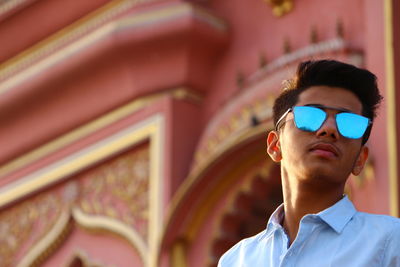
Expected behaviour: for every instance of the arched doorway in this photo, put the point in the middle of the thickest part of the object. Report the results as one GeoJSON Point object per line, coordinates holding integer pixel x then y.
{"type": "Point", "coordinates": [230, 200]}
{"type": "Point", "coordinates": [250, 213]}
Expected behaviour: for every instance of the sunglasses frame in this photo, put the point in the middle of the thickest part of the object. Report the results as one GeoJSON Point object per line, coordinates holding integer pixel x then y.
{"type": "Point", "coordinates": [322, 107]}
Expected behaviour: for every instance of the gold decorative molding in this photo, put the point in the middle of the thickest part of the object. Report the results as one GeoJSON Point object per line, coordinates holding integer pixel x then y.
{"type": "Point", "coordinates": [79, 28]}
{"type": "Point", "coordinates": [150, 130]}
{"type": "Point", "coordinates": [41, 250]}
{"type": "Point", "coordinates": [93, 222]}
{"type": "Point", "coordinates": [6, 6]}
{"type": "Point", "coordinates": [222, 131]}
{"type": "Point", "coordinates": [9, 5]}
{"type": "Point", "coordinates": [122, 182]}
{"type": "Point", "coordinates": [280, 7]}
{"type": "Point", "coordinates": [21, 228]}
{"type": "Point", "coordinates": [50, 242]}
{"type": "Point", "coordinates": [68, 42]}
{"type": "Point", "coordinates": [391, 123]}
{"type": "Point", "coordinates": [178, 254]}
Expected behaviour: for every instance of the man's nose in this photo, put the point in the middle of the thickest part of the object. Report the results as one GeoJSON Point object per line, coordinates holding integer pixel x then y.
{"type": "Point", "coordinates": [328, 129]}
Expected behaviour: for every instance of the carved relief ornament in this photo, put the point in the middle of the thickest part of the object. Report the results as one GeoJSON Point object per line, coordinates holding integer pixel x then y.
{"type": "Point", "coordinates": [280, 7]}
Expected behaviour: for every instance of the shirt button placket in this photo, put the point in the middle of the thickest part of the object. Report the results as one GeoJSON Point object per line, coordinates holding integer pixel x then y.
{"type": "Point", "coordinates": [287, 259]}
{"type": "Point", "coordinates": [286, 262]}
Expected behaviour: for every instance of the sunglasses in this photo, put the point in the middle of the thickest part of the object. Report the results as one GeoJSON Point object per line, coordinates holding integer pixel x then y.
{"type": "Point", "coordinates": [311, 118]}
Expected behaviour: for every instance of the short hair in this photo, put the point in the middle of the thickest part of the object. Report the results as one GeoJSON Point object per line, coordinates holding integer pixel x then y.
{"type": "Point", "coordinates": [332, 73]}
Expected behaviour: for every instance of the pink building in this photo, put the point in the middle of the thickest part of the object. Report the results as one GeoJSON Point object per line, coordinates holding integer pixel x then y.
{"type": "Point", "coordinates": [132, 133]}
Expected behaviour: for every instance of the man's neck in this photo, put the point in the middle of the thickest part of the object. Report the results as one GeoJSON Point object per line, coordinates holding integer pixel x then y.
{"type": "Point", "coordinates": [301, 199]}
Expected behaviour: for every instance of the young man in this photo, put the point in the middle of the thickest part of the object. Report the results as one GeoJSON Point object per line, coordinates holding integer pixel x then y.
{"type": "Point", "coordinates": [322, 121]}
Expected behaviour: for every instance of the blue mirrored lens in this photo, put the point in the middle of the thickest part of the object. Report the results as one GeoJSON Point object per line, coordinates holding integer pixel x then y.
{"type": "Point", "coordinates": [308, 119]}
{"type": "Point", "coordinates": [351, 125]}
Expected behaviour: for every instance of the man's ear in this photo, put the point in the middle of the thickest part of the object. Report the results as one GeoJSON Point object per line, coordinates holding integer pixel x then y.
{"type": "Point", "coordinates": [360, 162]}
{"type": "Point", "coordinates": [273, 146]}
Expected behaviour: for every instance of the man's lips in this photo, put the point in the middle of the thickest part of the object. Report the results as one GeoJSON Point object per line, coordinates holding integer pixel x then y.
{"type": "Point", "coordinates": [325, 150]}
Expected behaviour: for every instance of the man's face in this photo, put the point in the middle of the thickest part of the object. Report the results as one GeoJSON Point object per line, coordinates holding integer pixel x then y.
{"type": "Point", "coordinates": [322, 156]}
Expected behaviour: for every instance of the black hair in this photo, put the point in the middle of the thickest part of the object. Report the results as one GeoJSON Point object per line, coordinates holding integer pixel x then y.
{"type": "Point", "coordinates": [331, 73]}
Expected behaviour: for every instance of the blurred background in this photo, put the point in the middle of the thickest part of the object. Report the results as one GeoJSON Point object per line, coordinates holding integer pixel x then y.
{"type": "Point", "coordinates": [133, 132]}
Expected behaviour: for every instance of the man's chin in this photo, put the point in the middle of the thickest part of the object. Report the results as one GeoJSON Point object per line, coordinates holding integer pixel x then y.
{"type": "Point", "coordinates": [322, 173]}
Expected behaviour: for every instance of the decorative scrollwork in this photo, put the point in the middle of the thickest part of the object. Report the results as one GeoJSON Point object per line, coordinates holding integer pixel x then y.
{"type": "Point", "coordinates": [280, 7]}
{"type": "Point", "coordinates": [21, 226]}
{"type": "Point", "coordinates": [119, 189]}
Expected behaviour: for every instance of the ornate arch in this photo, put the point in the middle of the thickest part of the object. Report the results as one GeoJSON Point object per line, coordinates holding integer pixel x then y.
{"type": "Point", "coordinates": [242, 120]}
{"type": "Point", "coordinates": [74, 216]}
{"type": "Point", "coordinates": [247, 212]}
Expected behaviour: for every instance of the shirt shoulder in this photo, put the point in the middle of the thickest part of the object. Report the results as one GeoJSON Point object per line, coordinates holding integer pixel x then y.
{"type": "Point", "coordinates": [378, 227]}
{"type": "Point", "coordinates": [386, 228]}
{"type": "Point", "coordinates": [235, 254]}
{"type": "Point", "coordinates": [389, 223]}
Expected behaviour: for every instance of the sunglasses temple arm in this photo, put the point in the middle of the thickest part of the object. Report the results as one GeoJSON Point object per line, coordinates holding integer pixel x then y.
{"type": "Point", "coordinates": [281, 118]}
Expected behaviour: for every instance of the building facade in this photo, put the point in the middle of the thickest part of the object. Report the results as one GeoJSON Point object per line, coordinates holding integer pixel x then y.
{"type": "Point", "coordinates": [133, 132]}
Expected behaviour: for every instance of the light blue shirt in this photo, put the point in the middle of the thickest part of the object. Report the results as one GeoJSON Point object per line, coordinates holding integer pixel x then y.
{"type": "Point", "coordinates": [338, 236]}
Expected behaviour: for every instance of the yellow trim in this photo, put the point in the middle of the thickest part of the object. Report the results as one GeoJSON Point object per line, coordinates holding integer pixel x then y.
{"type": "Point", "coordinates": [10, 5]}
{"type": "Point", "coordinates": [114, 226]}
{"type": "Point", "coordinates": [153, 129]}
{"type": "Point", "coordinates": [91, 127]}
{"type": "Point", "coordinates": [11, 80]}
{"type": "Point", "coordinates": [78, 161]}
{"type": "Point", "coordinates": [93, 19]}
{"type": "Point", "coordinates": [156, 196]}
{"type": "Point", "coordinates": [54, 43]}
{"type": "Point", "coordinates": [391, 109]}
{"type": "Point", "coordinates": [34, 256]}
{"type": "Point", "coordinates": [178, 254]}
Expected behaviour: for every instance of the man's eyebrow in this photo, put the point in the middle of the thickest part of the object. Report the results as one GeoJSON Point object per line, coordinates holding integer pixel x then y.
{"type": "Point", "coordinates": [335, 108]}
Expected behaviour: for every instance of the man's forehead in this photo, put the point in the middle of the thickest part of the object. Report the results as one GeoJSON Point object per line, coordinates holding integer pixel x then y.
{"type": "Point", "coordinates": [330, 96]}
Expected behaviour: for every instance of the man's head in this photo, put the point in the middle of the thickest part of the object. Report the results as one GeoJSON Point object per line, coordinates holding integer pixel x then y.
{"type": "Point", "coordinates": [334, 74]}
{"type": "Point", "coordinates": [340, 92]}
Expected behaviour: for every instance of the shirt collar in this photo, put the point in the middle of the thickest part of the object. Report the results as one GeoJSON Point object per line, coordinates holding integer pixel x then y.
{"type": "Point", "coordinates": [338, 215]}
{"type": "Point", "coordinates": [275, 220]}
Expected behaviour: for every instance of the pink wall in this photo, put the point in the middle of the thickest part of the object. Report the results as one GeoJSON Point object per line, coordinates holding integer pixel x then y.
{"type": "Point", "coordinates": [201, 50]}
